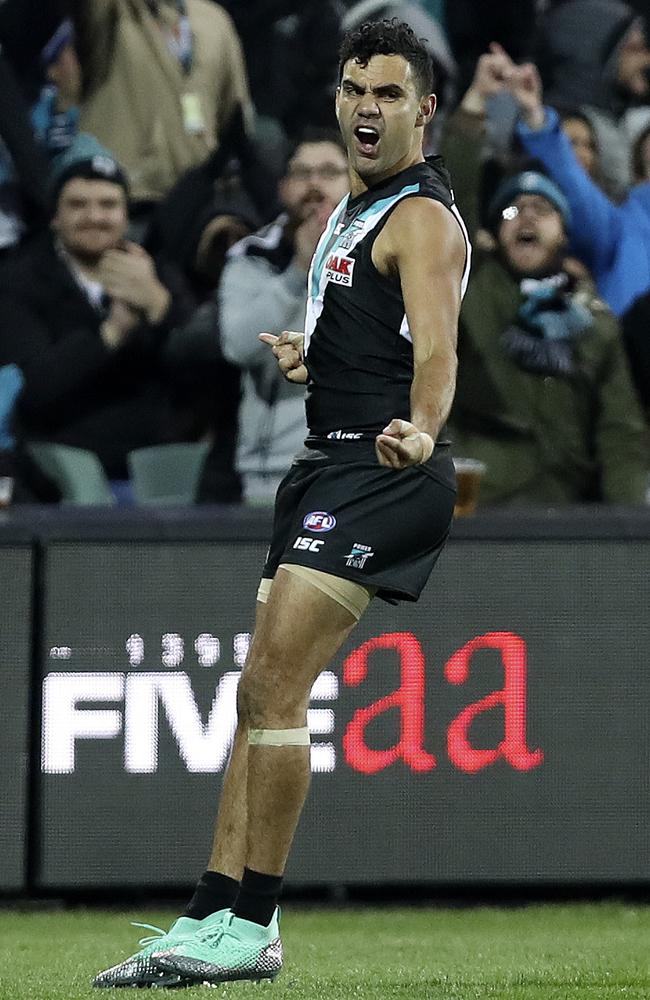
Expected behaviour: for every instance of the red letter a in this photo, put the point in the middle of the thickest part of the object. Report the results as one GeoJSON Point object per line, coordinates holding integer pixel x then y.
{"type": "Point", "coordinates": [513, 698]}
{"type": "Point", "coordinates": [409, 699]}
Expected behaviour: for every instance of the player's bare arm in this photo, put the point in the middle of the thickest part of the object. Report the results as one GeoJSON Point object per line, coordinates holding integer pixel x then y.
{"type": "Point", "coordinates": [288, 348]}
{"type": "Point", "coordinates": [423, 247]}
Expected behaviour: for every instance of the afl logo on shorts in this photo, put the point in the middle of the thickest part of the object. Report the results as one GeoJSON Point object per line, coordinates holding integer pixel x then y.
{"type": "Point", "coordinates": [339, 270]}
{"type": "Point", "coordinates": [319, 520]}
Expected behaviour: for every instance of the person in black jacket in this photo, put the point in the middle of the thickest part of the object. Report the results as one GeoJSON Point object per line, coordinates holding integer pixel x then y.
{"type": "Point", "coordinates": [85, 315]}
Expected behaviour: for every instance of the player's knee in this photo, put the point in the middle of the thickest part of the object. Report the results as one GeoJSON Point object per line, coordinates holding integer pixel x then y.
{"type": "Point", "coordinates": [252, 695]}
{"type": "Point", "coordinates": [262, 703]}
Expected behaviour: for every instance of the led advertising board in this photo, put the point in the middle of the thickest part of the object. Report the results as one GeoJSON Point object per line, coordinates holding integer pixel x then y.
{"type": "Point", "coordinates": [498, 730]}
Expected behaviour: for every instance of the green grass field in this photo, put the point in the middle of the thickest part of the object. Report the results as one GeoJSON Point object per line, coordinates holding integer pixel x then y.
{"type": "Point", "coordinates": [551, 952]}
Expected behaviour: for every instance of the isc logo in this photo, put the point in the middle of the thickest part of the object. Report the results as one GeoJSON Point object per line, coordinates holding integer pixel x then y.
{"type": "Point", "coordinates": [339, 270]}
{"type": "Point", "coordinates": [308, 544]}
{"type": "Point", "coordinates": [319, 520]}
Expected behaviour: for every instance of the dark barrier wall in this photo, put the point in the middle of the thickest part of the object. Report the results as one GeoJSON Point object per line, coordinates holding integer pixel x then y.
{"type": "Point", "coordinates": [497, 730]}
{"type": "Point", "coordinates": [15, 651]}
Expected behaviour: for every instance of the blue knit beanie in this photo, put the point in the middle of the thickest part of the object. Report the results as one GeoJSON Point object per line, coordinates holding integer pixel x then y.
{"type": "Point", "coordinates": [87, 158]}
{"type": "Point", "coordinates": [529, 182]}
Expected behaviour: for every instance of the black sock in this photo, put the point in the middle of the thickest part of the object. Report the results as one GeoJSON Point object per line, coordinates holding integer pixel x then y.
{"type": "Point", "coordinates": [213, 892]}
{"type": "Point", "coordinates": [258, 897]}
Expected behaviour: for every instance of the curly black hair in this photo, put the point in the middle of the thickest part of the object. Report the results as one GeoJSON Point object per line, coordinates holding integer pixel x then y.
{"type": "Point", "coordinates": [389, 38]}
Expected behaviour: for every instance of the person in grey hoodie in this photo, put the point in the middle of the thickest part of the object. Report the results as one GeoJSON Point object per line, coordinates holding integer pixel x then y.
{"type": "Point", "coordinates": [264, 289]}
{"type": "Point", "coordinates": [595, 57]}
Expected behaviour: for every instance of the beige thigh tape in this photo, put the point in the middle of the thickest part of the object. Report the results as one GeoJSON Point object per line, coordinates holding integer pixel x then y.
{"type": "Point", "coordinates": [279, 737]}
{"type": "Point", "coordinates": [354, 597]}
{"type": "Point", "coordinates": [264, 590]}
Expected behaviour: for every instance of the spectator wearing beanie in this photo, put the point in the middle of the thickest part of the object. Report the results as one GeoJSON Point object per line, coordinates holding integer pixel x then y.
{"type": "Point", "coordinates": [55, 115]}
{"type": "Point", "coordinates": [85, 315]}
{"type": "Point", "coordinates": [544, 395]}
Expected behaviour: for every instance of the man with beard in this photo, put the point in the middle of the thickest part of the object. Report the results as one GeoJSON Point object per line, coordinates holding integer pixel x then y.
{"type": "Point", "coordinates": [85, 315]}
{"type": "Point", "coordinates": [544, 396]}
{"type": "Point", "coordinates": [264, 287]}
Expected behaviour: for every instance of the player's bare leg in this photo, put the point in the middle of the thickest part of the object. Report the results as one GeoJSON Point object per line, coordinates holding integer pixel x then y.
{"type": "Point", "coordinates": [229, 845]}
{"type": "Point", "coordinates": [291, 649]}
{"type": "Point", "coordinates": [216, 890]}
{"type": "Point", "coordinates": [302, 630]}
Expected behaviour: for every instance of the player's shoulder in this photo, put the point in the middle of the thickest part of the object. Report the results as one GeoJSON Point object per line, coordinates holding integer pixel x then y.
{"type": "Point", "coordinates": [419, 221]}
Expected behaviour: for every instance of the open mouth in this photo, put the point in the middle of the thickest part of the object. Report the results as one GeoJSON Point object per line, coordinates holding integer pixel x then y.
{"type": "Point", "coordinates": [367, 136]}
{"type": "Point", "coordinates": [527, 238]}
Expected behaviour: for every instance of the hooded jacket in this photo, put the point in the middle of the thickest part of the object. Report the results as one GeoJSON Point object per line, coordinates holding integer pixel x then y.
{"type": "Point", "coordinates": [581, 40]}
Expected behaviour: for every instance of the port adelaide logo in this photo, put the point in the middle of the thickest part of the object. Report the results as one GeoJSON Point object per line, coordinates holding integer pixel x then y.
{"type": "Point", "coordinates": [359, 556]}
{"type": "Point", "coordinates": [339, 270]}
{"type": "Point", "coordinates": [319, 520]}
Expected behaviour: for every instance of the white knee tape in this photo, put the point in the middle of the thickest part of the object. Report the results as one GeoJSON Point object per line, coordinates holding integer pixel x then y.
{"type": "Point", "coordinates": [279, 737]}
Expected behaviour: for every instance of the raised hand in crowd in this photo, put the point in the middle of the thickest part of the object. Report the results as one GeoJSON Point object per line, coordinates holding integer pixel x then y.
{"type": "Point", "coordinates": [525, 85]}
{"type": "Point", "coordinates": [493, 72]}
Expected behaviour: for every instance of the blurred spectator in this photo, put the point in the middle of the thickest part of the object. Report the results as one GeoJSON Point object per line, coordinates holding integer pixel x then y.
{"type": "Point", "coordinates": [641, 157]}
{"type": "Point", "coordinates": [544, 394]}
{"type": "Point", "coordinates": [30, 484]}
{"type": "Point", "coordinates": [636, 336]}
{"type": "Point", "coordinates": [612, 240]}
{"type": "Point", "coordinates": [84, 315]}
{"type": "Point", "coordinates": [23, 166]}
{"type": "Point", "coordinates": [291, 49]}
{"type": "Point", "coordinates": [595, 56]}
{"type": "Point", "coordinates": [55, 115]}
{"type": "Point", "coordinates": [264, 289]}
{"type": "Point", "coordinates": [582, 136]}
{"type": "Point", "coordinates": [161, 80]}
{"type": "Point", "coordinates": [26, 26]}
{"type": "Point", "coordinates": [213, 206]}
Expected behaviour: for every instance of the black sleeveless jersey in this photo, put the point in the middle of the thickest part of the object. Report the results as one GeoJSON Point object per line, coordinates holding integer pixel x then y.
{"type": "Point", "coordinates": [358, 347]}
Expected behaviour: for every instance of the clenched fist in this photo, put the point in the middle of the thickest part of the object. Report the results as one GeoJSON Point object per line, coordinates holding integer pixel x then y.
{"type": "Point", "coordinates": [401, 444]}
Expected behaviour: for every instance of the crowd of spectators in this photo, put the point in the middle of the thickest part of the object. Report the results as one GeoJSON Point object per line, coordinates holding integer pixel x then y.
{"type": "Point", "coordinates": [167, 168]}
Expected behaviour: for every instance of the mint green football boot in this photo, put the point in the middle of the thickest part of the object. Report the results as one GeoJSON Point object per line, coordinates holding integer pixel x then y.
{"type": "Point", "coordinates": [238, 949]}
{"type": "Point", "coordinates": [138, 970]}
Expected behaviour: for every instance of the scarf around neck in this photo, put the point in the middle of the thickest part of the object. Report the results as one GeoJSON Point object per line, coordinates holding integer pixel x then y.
{"type": "Point", "coordinates": [549, 321]}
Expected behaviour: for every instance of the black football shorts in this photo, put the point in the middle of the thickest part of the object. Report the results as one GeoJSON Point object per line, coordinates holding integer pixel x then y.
{"type": "Point", "coordinates": [337, 510]}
